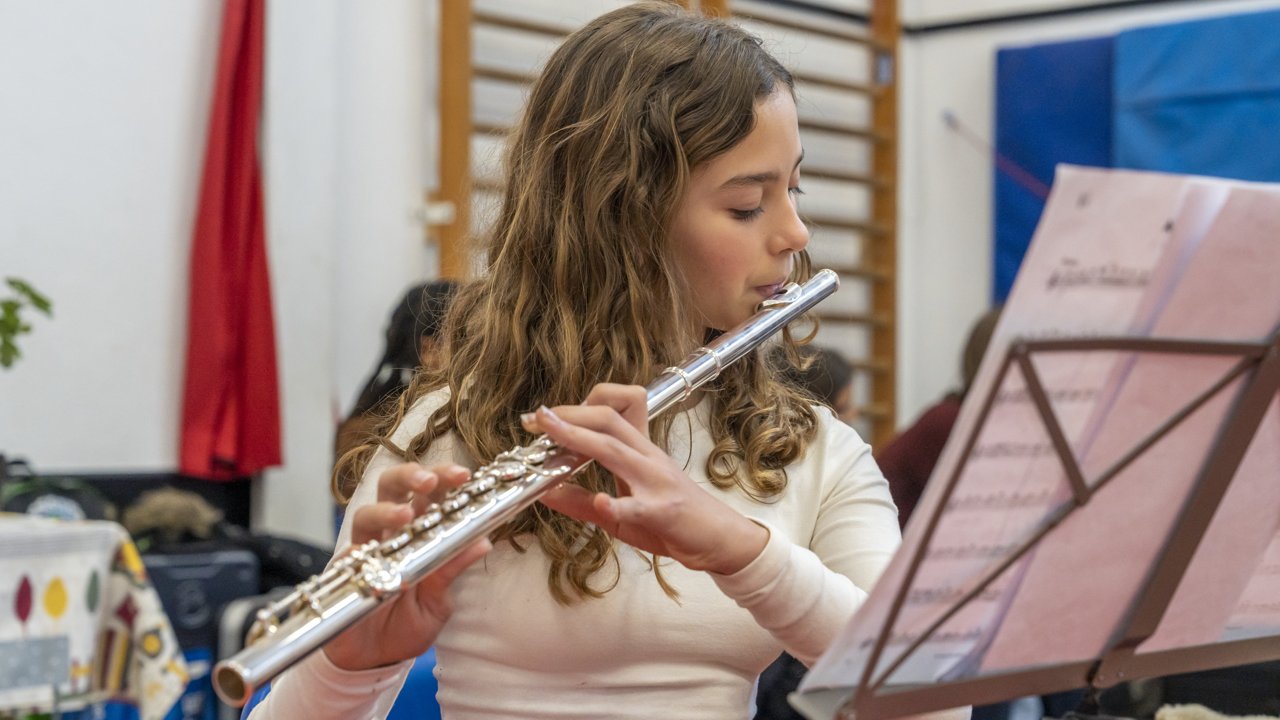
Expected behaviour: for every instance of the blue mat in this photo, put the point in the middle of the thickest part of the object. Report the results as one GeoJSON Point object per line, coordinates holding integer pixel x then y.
{"type": "Point", "coordinates": [1053, 105]}
{"type": "Point", "coordinates": [1200, 97]}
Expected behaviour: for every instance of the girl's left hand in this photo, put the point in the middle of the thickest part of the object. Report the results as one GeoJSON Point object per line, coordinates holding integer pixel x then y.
{"type": "Point", "coordinates": [659, 508]}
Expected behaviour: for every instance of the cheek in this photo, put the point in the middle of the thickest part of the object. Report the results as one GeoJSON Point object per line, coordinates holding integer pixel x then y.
{"type": "Point", "coordinates": [709, 246]}
{"type": "Point", "coordinates": [711, 260]}
{"type": "Point", "coordinates": [714, 250]}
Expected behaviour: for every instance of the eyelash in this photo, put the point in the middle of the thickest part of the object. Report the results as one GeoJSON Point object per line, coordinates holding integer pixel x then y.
{"type": "Point", "coordinates": [753, 213]}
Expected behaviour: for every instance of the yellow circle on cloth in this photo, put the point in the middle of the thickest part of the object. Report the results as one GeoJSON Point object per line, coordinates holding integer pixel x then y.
{"type": "Point", "coordinates": [152, 644]}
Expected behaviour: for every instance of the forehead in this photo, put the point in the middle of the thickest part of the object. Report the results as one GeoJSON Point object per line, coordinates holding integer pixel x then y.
{"type": "Point", "coordinates": [772, 147]}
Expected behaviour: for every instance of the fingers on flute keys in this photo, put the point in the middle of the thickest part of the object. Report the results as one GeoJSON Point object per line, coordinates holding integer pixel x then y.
{"type": "Point", "coordinates": [404, 492]}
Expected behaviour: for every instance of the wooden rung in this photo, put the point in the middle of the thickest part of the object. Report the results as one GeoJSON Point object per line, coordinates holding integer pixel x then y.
{"type": "Point", "coordinates": [838, 129]}
{"type": "Point", "coordinates": [766, 14]}
{"type": "Point", "coordinates": [876, 367]}
{"type": "Point", "coordinates": [860, 271]}
{"type": "Point", "coordinates": [864, 88]}
{"type": "Point", "coordinates": [486, 185]}
{"type": "Point", "coordinates": [875, 411]}
{"type": "Point", "coordinates": [845, 176]}
{"type": "Point", "coordinates": [484, 128]}
{"type": "Point", "coordinates": [517, 23]}
{"type": "Point", "coordinates": [495, 73]}
{"type": "Point", "coordinates": [867, 228]}
{"type": "Point", "coordinates": [877, 320]}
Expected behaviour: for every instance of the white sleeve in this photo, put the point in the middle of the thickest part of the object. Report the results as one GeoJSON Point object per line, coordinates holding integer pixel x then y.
{"type": "Point", "coordinates": [316, 689]}
{"type": "Point", "coordinates": [805, 595]}
{"type": "Point", "coordinates": [793, 595]}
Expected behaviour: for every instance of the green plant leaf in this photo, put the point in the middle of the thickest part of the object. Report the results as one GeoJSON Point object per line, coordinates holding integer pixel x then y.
{"type": "Point", "coordinates": [8, 351]}
{"type": "Point", "coordinates": [33, 296]}
{"type": "Point", "coordinates": [11, 321]}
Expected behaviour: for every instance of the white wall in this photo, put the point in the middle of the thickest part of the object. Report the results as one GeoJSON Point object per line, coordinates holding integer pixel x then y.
{"type": "Point", "coordinates": [348, 92]}
{"type": "Point", "coordinates": [103, 108]}
{"type": "Point", "coordinates": [945, 225]}
{"type": "Point", "coordinates": [933, 12]}
{"type": "Point", "coordinates": [301, 135]}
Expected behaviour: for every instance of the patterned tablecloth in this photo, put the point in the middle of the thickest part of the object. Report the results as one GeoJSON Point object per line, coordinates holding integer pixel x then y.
{"type": "Point", "coordinates": [79, 622]}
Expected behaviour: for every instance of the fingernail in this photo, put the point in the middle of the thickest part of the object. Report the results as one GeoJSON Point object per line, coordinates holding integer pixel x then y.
{"type": "Point", "coordinates": [550, 415]}
{"type": "Point", "coordinates": [420, 477]}
{"type": "Point", "coordinates": [527, 418]}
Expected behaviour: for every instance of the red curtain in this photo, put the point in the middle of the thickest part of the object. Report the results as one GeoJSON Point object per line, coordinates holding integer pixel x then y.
{"type": "Point", "coordinates": [230, 404]}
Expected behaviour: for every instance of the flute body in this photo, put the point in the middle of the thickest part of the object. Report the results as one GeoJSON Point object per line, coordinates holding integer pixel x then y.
{"type": "Point", "coordinates": [355, 584]}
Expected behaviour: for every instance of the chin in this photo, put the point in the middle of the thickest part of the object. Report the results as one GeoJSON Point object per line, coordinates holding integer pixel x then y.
{"type": "Point", "coordinates": [732, 323]}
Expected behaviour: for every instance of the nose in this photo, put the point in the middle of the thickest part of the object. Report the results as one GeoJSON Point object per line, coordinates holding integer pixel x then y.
{"type": "Point", "coordinates": [790, 234]}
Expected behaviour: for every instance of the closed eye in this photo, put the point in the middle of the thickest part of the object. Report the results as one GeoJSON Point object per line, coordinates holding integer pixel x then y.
{"type": "Point", "coordinates": [747, 215]}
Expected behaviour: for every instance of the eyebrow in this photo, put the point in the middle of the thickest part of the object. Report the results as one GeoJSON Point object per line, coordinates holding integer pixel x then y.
{"type": "Point", "coordinates": [739, 181]}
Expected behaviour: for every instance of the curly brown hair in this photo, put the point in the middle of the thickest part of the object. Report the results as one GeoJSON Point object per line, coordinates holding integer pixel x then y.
{"type": "Point", "coordinates": [580, 285]}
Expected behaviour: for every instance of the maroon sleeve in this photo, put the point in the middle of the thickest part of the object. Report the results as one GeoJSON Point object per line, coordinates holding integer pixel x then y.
{"type": "Point", "coordinates": [908, 459]}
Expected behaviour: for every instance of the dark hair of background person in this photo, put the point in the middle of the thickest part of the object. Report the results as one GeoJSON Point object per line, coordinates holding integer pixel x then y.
{"type": "Point", "coordinates": [823, 373]}
{"type": "Point", "coordinates": [417, 317]}
{"type": "Point", "coordinates": [976, 346]}
{"type": "Point", "coordinates": [826, 374]}
{"type": "Point", "coordinates": [409, 340]}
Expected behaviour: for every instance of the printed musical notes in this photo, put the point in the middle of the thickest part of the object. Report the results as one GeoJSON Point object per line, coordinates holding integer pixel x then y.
{"type": "Point", "coordinates": [1000, 500]}
{"type": "Point", "coordinates": [1071, 273]}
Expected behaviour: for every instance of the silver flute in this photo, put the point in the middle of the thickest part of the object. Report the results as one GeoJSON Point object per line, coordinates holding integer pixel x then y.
{"type": "Point", "coordinates": [357, 583]}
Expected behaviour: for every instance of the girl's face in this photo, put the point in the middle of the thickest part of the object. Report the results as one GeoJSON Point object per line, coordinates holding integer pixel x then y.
{"type": "Point", "coordinates": [737, 231]}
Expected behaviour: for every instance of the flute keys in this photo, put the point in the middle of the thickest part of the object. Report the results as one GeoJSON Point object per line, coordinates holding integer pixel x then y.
{"type": "Point", "coordinates": [397, 542]}
{"type": "Point", "coordinates": [537, 452]}
{"type": "Point", "coordinates": [454, 503]}
{"type": "Point", "coordinates": [508, 471]}
{"type": "Point", "coordinates": [427, 521]}
{"type": "Point", "coordinates": [381, 577]}
{"type": "Point", "coordinates": [481, 485]}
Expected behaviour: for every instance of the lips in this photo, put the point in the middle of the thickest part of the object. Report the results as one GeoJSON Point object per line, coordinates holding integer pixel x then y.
{"type": "Point", "coordinates": [772, 288]}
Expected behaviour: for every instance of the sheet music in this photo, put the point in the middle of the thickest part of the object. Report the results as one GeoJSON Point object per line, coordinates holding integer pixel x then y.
{"type": "Point", "coordinates": [1116, 253]}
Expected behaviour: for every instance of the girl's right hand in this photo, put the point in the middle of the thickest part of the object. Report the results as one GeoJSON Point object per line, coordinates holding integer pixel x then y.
{"type": "Point", "coordinates": [405, 627]}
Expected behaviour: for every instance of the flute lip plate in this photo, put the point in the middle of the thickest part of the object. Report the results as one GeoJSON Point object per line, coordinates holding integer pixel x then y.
{"type": "Point", "coordinates": [784, 297]}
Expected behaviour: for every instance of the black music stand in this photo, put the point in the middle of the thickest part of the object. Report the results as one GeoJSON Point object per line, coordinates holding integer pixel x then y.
{"type": "Point", "coordinates": [868, 695]}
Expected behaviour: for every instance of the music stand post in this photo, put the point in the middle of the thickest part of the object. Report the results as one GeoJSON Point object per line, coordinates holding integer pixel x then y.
{"type": "Point", "coordinates": [1260, 366]}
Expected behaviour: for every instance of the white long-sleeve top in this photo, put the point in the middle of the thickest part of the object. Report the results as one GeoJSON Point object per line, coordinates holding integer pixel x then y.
{"type": "Point", "coordinates": [511, 651]}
